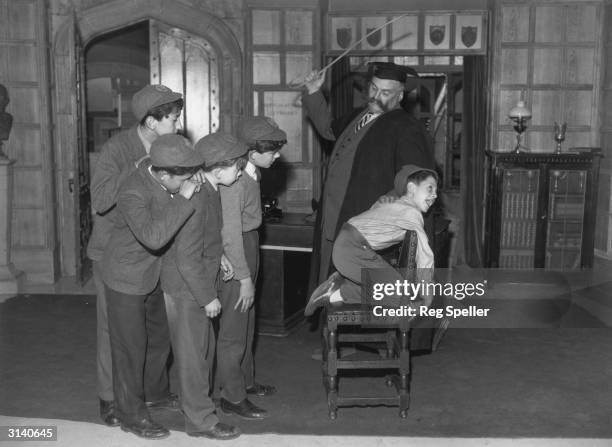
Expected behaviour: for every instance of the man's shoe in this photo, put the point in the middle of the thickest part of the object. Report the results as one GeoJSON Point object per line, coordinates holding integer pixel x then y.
{"type": "Point", "coordinates": [107, 413]}
{"type": "Point", "coordinates": [146, 428]}
{"type": "Point", "coordinates": [245, 409]}
{"type": "Point", "coordinates": [258, 389]}
{"type": "Point", "coordinates": [220, 432]}
{"type": "Point", "coordinates": [320, 296]}
{"type": "Point", "coordinates": [170, 402]}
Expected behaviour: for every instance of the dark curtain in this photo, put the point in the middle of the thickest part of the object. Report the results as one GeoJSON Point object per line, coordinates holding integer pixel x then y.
{"type": "Point", "coordinates": [341, 88]}
{"type": "Point", "coordinates": [473, 145]}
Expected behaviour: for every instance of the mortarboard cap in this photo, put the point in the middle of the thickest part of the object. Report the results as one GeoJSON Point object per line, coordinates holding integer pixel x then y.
{"type": "Point", "coordinates": [389, 70]}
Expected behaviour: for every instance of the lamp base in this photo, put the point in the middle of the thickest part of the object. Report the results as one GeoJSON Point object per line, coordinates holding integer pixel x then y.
{"type": "Point", "coordinates": [520, 148]}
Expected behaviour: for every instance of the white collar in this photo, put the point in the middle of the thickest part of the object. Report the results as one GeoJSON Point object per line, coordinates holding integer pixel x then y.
{"type": "Point", "coordinates": [251, 170]}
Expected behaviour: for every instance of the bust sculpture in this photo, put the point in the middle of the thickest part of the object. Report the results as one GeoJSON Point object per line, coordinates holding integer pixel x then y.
{"type": "Point", "coordinates": [6, 119]}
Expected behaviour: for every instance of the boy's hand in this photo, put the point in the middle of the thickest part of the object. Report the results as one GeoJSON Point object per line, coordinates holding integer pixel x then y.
{"type": "Point", "coordinates": [227, 268]}
{"type": "Point", "coordinates": [313, 81]}
{"type": "Point", "coordinates": [199, 179]}
{"type": "Point", "coordinates": [247, 294]}
{"type": "Point", "coordinates": [188, 189]}
{"type": "Point", "coordinates": [213, 308]}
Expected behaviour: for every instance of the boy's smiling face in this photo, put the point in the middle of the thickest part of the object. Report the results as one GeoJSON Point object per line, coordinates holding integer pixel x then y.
{"type": "Point", "coordinates": [265, 159]}
{"type": "Point", "coordinates": [423, 195]}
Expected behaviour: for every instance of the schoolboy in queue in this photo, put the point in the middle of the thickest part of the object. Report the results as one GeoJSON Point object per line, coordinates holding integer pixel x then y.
{"type": "Point", "coordinates": [157, 110]}
{"type": "Point", "coordinates": [152, 205]}
{"type": "Point", "coordinates": [242, 216]}
{"type": "Point", "coordinates": [190, 273]}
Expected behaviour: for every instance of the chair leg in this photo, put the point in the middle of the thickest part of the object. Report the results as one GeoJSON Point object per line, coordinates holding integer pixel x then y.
{"type": "Point", "coordinates": [404, 374]}
{"type": "Point", "coordinates": [332, 373]}
{"type": "Point", "coordinates": [324, 350]}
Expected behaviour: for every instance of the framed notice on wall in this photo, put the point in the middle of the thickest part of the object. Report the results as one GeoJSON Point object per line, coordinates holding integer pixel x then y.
{"type": "Point", "coordinates": [284, 48]}
{"type": "Point", "coordinates": [285, 109]}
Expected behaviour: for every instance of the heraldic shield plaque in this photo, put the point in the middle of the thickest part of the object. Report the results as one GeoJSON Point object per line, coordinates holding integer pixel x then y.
{"type": "Point", "coordinates": [436, 32]}
{"type": "Point", "coordinates": [468, 32]}
{"type": "Point", "coordinates": [343, 32]}
{"type": "Point", "coordinates": [344, 36]}
{"type": "Point", "coordinates": [469, 35]}
{"type": "Point", "coordinates": [374, 31]}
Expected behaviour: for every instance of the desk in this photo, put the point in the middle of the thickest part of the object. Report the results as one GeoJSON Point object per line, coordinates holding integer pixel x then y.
{"type": "Point", "coordinates": [282, 284]}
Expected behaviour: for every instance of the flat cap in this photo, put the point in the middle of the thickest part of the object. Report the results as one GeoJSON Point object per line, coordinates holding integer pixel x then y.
{"type": "Point", "coordinates": [173, 150]}
{"type": "Point", "coordinates": [401, 178]}
{"type": "Point", "coordinates": [260, 128]}
{"type": "Point", "coordinates": [219, 146]}
{"type": "Point", "coordinates": [151, 96]}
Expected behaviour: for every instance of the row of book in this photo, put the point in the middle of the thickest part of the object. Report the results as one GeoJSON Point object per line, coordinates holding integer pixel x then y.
{"type": "Point", "coordinates": [562, 209]}
{"type": "Point", "coordinates": [519, 205]}
{"type": "Point", "coordinates": [516, 261]}
{"type": "Point", "coordinates": [518, 233]}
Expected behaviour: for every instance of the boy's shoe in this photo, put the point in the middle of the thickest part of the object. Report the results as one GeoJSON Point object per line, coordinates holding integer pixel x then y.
{"type": "Point", "coordinates": [320, 296]}
{"type": "Point", "coordinates": [245, 409]}
{"type": "Point", "coordinates": [258, 389]}
{"type": "Point", "coordinates": [107, 413]}
{"type": "Point", "coordinates": [219, 431]}
{"type": "Point", "coordinates": [146, 428]}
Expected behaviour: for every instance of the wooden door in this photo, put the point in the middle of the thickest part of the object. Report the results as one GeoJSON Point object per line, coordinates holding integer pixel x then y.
{"type": "Point", "coordinates": [187, 64]}
{"type": "Point", "coordinates": [79, 186]}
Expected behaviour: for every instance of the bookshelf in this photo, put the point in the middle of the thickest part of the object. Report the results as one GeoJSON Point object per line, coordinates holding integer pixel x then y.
{"type": "Point", "coordinates": [540, 209]}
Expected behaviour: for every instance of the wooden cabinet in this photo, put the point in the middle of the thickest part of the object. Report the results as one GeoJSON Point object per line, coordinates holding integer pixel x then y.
{"type": "Point", "coordinates": [282, 285]}
{"type": "Point", "coordinates": [541, 210]}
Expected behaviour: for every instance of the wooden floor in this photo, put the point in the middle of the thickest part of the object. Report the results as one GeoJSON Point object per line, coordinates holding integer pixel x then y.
{"type": "Point", "coordinates": [482, 382]}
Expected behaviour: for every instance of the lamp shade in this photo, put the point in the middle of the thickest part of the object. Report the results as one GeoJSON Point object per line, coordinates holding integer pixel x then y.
{"type": "Point", "coordinates": [519, 111]}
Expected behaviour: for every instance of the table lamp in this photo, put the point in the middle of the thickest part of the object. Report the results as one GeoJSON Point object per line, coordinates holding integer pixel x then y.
{"type": "Point", "coordinates": [520, 114]}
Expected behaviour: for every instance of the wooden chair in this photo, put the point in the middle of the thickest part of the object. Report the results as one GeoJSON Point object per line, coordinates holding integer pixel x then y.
{"type": "Point", "coordinates": [393, 335]}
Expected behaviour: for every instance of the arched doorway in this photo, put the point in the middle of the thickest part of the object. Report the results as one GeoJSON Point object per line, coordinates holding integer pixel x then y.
{"type": "Point", "coordinates": [72, 171]}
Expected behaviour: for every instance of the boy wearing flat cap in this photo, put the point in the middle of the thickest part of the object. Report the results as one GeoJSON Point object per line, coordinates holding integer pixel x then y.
{"type": "Point", "coordinates": [242, 215]}
{"type": "Point", "coordinates": [157, 109]}
{"type": "Point", "coordinates": [378, 228]}
{"type": "Point", "coordinates": [152, 205]}
{"type": "Point", "coordinates": [190, 270]}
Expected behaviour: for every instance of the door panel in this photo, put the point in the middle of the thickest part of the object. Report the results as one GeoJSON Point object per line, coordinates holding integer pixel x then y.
{"type": "Point", "coordinates": [187, 64]}
{"type": "Point", "coordinates": [80, 185]}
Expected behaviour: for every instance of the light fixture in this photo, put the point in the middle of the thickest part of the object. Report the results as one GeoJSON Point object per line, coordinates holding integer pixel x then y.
{"type": "Point", "coordinates": [520, 114]}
